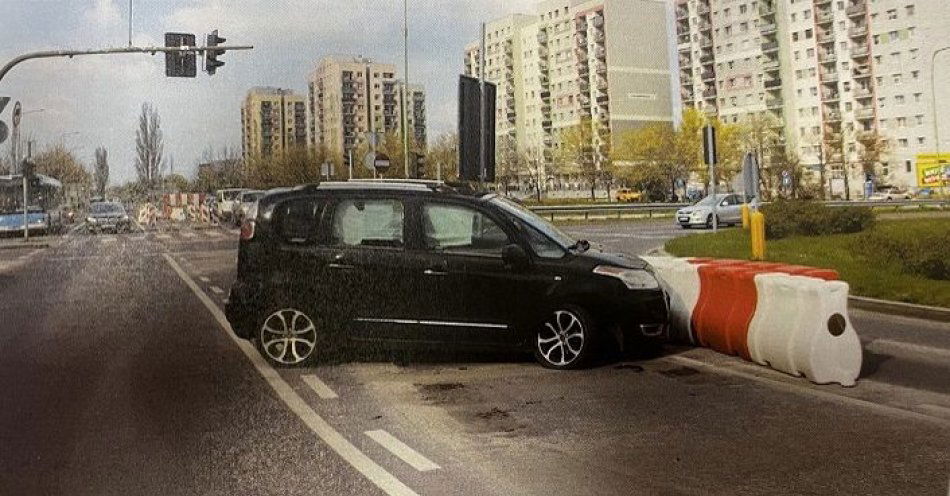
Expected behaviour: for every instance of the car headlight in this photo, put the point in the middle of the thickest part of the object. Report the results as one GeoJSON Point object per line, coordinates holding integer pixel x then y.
{"type": "Point", "coordinates": [632, 278]}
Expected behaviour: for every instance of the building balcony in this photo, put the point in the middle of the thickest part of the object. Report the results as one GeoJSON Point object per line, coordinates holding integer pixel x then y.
{"type": "Point", "coordinates": [828, 57]}
{"type": "Point", "coordinates": [824, 17]}
{"type": "Point", "coordinates": [830, 96]}
{"type": "Point", "coordinates": [711, 111]}
{"type": "Point", "coordinates": [706, 59]}
{"type": "Point", "coordinates": [706, 43]}
{"type": "Point", "coordinates": [864, 114]}
{"type": "Point", "coordinates": [709, 94]}
{"type": "Point", "coordinates": [601, 84]}
{"type": "Point", "coordinates": [687, 96]}
{"type": "Point", "coordinates": [856, 9]}
{"type": "Point", "coordinates": [822, 3]}
{"type": "Point", "coordinates": [773, 103]}
{"type": "Point", "coordinates": [702, 9]}
{"type": "Point", "coordinates": [833, 116]}
{"type": "Point", "coordinates": [829, 78]}
{"type": "Point", "coordinates": [862, 93]}
{"type": "Point", "coordinates": [825, 36]}
{"type": "Point", "coordinates": [771, 65]}
{"type": "Point", "coordinates": [861, 72]}
{"type": "Point", "coordinates": [860, 51]}
{"type": "Point", "coordinates": [858, 32]}
{"type": "Point", "coordinates": [599, 38]}
{"type": "Point", "coordinates": [682, 14]}
{"type": "Point", "coordinates": [684, 46]}
{"type": "Point", "coordinates": [773, 84]}
{"type": "Point", "coordinates": [767, 29]}
{"type": "Point", "coordinates": [709, 76]}
{"type": "Point", "coordinates": [769, 47]}
{"type": "Point", "coordinates": [767, 9]}
{"type": "Point", "coordinates": [601, 68]}
{"type": "Point", "coordinates": [580, 39]}
{"type": "Point", "coordinates": [542, 37]}
{"type": "Point", "coordinates": [600, 53]}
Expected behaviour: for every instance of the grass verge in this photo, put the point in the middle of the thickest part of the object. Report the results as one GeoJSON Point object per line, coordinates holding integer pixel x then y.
{"type": "Point", "coordinates": [870, 272]}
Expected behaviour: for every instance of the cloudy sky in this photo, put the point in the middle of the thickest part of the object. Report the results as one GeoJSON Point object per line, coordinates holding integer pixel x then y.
{"type": "Point", "coordinates": [99, 97]}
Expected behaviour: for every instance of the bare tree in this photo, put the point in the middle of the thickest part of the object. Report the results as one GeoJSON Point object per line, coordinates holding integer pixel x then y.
{"type": "Point", "coordinates": [101, 172]}
{"type": "Point", "coordinates": [148, 146]}
{"type": "Point", "coordinates": [872, 153]}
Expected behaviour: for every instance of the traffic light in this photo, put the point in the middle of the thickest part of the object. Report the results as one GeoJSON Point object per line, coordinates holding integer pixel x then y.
{"type": "Point", "coordinates": [182, 64]}
{"type": "Point", "coordinates": [211, 54]}
{"type": "Point", "coordinates": [419, 167]}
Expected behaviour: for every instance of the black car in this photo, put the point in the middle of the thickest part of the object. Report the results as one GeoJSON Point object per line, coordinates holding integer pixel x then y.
{"type": "Point", "coordinates": [422, 263]}
{"type": "Point", "coordinates": [108, 216]}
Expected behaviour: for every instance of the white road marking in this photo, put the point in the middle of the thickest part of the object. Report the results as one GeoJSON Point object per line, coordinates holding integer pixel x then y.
{"type": "Point", "coordinates": [402, 450]}
{"type": "Point", "coordinates": [217, 290]}
{"type": "Point", "coordinates": [204, 279]}
{"type": "Point", "coordinates": [108, 239]}
{"type": "Point", "coordinates": [788, 387]}
{"type": "Point", "coordinates": [319, 387]}
{"type": "Point", "coordinates": [188, 234]}
{"type": "Point", "coordinates": [212, 234]}
{"type": "Point", "coordinates": [884, 345]}
{"type": "Point", "coordinates": [163, 236]}
{"type": "Point", "coordinates": [376, 474]}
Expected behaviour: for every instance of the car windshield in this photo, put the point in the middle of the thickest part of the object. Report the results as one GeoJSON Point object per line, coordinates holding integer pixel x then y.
{"type": "Point", "coordinates": [535, 221]}
{"type": "Point", "coordinates": [709, 201]}
{"type": "Point", "coordinates": [252, 197]}
{"type": "Point", "coordinates": [231, 194]}
{"type": "Point", "coordinates": [106, 208]}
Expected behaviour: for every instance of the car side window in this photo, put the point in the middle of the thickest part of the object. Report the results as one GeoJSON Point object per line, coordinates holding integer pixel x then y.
{"type": "Point", "coordinates": [299, 220]}
{"type": "Point", "coordinates": [460, 229]}
{"type": "Point", "coordinates": [542, 245]}
{"type": "Point", "coordinates": [371, 222]}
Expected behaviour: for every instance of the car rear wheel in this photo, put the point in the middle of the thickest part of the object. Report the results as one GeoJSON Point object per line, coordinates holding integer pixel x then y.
{"type": "Point", "coordinates": [288, 337]}
{"type": "Point", "coordinates": [566, 339]}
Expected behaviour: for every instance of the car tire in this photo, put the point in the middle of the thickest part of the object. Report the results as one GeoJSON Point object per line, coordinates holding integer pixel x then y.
{"type": "Point", "coordinates": [566, 340]}
{"type": "Point", "coordinates": [289, 337]}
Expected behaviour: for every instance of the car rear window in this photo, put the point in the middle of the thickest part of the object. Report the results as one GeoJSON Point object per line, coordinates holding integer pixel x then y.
{"type": "Point", "coordinates": [299, 220]}
{"type": "Point", "coordinates": [373, 222]}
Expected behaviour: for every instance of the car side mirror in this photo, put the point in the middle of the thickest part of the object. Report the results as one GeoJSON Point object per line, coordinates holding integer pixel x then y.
{"type": "Point", "coordinates": [514, 256]}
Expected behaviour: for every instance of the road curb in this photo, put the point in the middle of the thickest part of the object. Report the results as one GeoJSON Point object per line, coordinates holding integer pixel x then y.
{"type": "Point", "coordinates": [24, 246]}
{"type": "Point", "coordinates": [938, 314]}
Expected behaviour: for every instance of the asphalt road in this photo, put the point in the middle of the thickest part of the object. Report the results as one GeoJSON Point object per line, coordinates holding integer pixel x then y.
{"type": "Point", "coordinates": [118, 377]}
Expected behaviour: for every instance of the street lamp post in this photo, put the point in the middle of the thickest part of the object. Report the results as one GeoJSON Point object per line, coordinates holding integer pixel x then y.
{"type": "Point", "coordinates": [942, 181]}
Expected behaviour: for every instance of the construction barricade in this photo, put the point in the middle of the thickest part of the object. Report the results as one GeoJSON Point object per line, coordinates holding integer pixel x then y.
{"type": "Point", "coordinates": [789, 317]}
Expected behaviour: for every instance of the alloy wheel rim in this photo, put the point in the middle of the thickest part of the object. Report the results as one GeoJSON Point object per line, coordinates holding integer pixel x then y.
{"type": "Point", "coordinates": [288, 336]}
{"type": "Point", "coordinates": [561, 338]}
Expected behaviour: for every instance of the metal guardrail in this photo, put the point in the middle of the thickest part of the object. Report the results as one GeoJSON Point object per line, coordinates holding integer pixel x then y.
{"type": "Point", "coordinates": [619, 210]}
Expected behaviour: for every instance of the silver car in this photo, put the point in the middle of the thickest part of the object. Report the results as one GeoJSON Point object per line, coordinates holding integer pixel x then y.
{"type": "Point", "coordinates": [729, 211]}
{"type": "Point", "coordinates": [243, 203]}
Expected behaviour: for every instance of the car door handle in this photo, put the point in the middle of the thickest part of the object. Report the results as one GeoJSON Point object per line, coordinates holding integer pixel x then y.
{"type": "Point", "coordinates": [433, 272]}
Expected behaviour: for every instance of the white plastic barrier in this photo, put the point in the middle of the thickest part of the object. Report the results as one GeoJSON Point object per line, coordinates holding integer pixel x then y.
{"type": "Point", "coordinates": [801, 327]}
{"type": "Point", "coordinates": [681, 281]}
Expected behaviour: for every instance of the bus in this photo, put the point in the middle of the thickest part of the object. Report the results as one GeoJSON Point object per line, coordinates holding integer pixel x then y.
{"type": "Point", "coordinates": [43, 213]}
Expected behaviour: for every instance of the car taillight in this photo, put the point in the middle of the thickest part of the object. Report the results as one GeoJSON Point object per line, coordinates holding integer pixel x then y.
{"type": "Point", "coordinates": [247, 229]}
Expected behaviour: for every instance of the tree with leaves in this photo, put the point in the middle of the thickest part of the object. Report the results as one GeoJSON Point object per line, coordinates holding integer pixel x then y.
{"type": "Point", "coordinates": [442, 159]}
{"type": "Point", "coordinates": [149, 147]}
{"type": "Point", "coordinates": [220, 170]}
{"type": "Point", "coordinates": [59, 162]}
{"type": "Point", "coordinates": [759, 135]}
{"type": "Point", "coordinates": [578, 154]}
{"type": "Point", "coordinates": [101, 171]}
{"type": "Point", "coordinates": [872, 152]}
{"type": "Point", "coordinates": [654, 165]}
{"type": "Point", "coordinates": [295, 166]}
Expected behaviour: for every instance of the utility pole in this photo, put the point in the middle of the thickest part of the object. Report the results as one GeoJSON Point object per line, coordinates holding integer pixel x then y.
{"type": "Point", "coordinates": [405, 90]}
{"type": "Point", "coordinates": [481, 111]}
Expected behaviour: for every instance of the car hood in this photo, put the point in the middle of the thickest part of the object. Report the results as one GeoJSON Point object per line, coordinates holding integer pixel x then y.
{"type": "Point", "coordinates": [594, 257]}
{"type": "Point", "coordinates": [690, 210]}
{"type": "Point", "coordinates": [106, 215]}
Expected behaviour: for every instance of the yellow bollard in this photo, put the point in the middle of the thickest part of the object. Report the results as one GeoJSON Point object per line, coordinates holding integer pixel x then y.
{"type": "Point", "coordinates": [757, 222]}
{"type": "Point", "coordinates": [745, 216]}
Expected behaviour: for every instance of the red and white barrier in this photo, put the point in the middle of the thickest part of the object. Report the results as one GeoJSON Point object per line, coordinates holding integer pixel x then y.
{"type": "Point", "coordinates": [789, 317]}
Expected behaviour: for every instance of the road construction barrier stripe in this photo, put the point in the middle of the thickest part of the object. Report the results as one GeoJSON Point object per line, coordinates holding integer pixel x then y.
{"type": "Point", "coordinates": [790, 317]}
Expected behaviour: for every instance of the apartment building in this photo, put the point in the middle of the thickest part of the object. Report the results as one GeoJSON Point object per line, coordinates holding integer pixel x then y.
{"type": "Point", "coordinates": [272, 120]}
{"type": "Point", "coordinates": [352, 96]}
{"type": "Point", "coordinates": [821, 71]}
{"type": "Point", "coordinates": [571, 61]}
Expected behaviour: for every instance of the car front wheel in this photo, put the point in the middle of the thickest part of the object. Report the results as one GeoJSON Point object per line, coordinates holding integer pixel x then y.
{"type": "Point", "coordinates": [288, 338]}
{"type": "Point", "coordinates": [565, 339]}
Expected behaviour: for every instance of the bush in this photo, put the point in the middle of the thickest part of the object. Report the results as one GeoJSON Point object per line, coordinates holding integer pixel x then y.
{"type": "Point", "coordinates": [918, 251]}
{"type": "Point", "coordinates": [805, 218]}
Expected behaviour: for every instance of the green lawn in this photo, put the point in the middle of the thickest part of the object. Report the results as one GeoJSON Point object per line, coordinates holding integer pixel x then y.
{"type": "Point", "coordinates": [870, 273]}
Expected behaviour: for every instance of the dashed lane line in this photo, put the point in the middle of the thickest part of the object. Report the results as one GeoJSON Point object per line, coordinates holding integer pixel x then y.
{"type": "Point", "coordinates": [376, 474]}
{"type": "Point", "coordinates": [412, 457]}
{"type": "Point", "coordinates": [217, 290]}
{"type": "Point", "coordinates": [319, 387]}
{"type": "Point", "coordinates": [793, 388]}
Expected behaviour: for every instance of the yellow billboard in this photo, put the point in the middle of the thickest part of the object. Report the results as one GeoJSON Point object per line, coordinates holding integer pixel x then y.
{"type": "Point", "coordinates": [930, 171]}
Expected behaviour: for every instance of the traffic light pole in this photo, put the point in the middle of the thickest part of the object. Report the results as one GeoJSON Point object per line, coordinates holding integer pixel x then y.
{"type": "Point", "coordinates": [110, 51]}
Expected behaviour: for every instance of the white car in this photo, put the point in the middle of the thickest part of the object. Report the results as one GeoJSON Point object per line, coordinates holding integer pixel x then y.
{"type": "Point", "coordinates": [243, 203]}
{"type": "Point", "coordinates": [224, 201]}
{"type": "Point", "coordinates": [700, 214]}
{"type": "Point", "coordinates": [890, 195]}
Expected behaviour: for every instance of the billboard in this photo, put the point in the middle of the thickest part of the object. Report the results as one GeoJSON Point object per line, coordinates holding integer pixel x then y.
{"type": "Point", "coordinates": [930, 172]}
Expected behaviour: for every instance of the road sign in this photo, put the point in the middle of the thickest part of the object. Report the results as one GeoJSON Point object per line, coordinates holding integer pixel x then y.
{"type": "Point", "coordinates": [17, 113]}
{"type": "Point", "coordinates": [183, 64]}
{"type": "Point", "coordinates": [4, 132]}
{"type": "Point", "coordinates": [381, 164]}
{"type": "Point", "coordinates": [369, 160]}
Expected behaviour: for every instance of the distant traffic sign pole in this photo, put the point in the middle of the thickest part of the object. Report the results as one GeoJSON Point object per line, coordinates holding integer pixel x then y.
{"type": "Point", "coordinates": [709, 148]}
